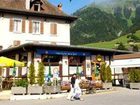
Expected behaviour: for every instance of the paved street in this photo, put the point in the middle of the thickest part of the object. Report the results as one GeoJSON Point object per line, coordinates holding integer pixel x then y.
{"type": "Point", "coordinates": [120, 97]}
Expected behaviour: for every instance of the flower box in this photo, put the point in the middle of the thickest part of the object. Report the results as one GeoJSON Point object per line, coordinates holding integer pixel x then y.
{"type": "Point", "coordinates": [35, 89]}
{"type": "Point", "coordinates": [51, 89]}
{"type": "Point", "coordinates": [18, 90]}
{"type": "Point", "coordinates": [134, 85]}
{"type": "Point", "coordinates": [107, 85]}
{"type": "Point", "coordinates": [65, 85]}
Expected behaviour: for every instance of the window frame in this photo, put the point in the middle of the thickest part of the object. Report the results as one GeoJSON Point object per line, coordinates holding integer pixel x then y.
{"type": "Point", "coordinates": [34, 29]}
{"type": "Point", "coordinates": [17, 23]}
{"type": "Point", "coordinates": [38, 6]}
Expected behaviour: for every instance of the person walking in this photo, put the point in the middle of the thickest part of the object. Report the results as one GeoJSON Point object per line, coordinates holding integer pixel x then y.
{"type": "Point", "coordinates": [72, 91]}
{"type": "Point", "coordinates": [77, 89]}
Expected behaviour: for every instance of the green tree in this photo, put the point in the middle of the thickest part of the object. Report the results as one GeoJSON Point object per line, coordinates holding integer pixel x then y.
{"type": "Point", "coordinates": [41, 74]}
{"type": "Point", "coordinates": [121, 47]}
{"type": "Point", "coordinates": [134, 75]}
{"type": "Point", "coordinates": [103, 72]}
{"type": "Point", "coordinates": [135, 48]}
{"type": "Point", "coordinates": [21, 82]}
{"type": "Point", "coordinates": [31, 74]}
{"type": "Point", "coordinates": [109, 74]}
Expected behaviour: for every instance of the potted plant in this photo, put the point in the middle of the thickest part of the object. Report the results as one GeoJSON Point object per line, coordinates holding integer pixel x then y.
{"type": "Point", "coordinates": [20, 87]}
{"type": "Point", "coordinates": [106, 76]}
{"type": "Point", "coordinates": [52, 86]}
{"type": "Point", "coordinates": [36, 89]}
{"type": "Point", "coordinates": [65, 85]}
{"type": "Point", "coordinates": [134, 78]}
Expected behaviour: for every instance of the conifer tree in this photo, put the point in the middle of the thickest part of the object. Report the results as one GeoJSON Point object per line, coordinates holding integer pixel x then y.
{"type": "Point", "coordinates": [40, 75]}
{"type": "Point", "coordinates": [103, 72]}
{"type": "Point", "coordinates": [109, 74]}
{"type": "Point", "coordinates": [31, 74]}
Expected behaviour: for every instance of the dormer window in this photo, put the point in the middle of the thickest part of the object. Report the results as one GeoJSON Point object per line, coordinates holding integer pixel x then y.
{"type": "Point", "coordinates": [36, 7]}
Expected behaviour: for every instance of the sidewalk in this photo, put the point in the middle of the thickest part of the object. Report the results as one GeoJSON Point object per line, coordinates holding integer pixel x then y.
{"type": "Point", "coordinates": [31, 97]}
{"type": "Point", "coordinates": [6, 94]}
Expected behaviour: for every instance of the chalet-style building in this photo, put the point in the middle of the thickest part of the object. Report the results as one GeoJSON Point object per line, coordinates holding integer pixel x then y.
{"type": "Point", "coordinates": [33, 21]}
{"type": "Point", "coordinates": [35, 31]}
{"type": "Point", "coordinates": [121, 64]}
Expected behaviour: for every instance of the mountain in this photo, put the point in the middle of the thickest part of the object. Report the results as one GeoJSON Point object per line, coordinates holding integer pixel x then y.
{"type": "Point", "coordinates": [105, 21]}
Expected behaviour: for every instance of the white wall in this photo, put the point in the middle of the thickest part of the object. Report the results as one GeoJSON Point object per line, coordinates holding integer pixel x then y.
{"type": "Point", "coordinates": [117, 65]}
{"type": "Point", "coordinates": [65, 67]}
{"type": "Point", "coordinates": [88, 66]}
{"type": "Point", "coordinates": [7, 38]}
{"type": "Point", "coordinates": [126, 63]}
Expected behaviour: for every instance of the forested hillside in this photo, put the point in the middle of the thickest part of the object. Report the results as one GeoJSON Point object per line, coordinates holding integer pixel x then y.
{"type": "Point", "coordinates": [106, 21]}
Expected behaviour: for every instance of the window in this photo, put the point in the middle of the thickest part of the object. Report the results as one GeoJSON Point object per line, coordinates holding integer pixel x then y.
{"type": "Point", "coordinates": [36, 7]}
{"type": "Point", "coordinates": [53, 29]}
{"type": "Point", "coordinates": [36, 27]}
{"type": "Point", "coordinates": [16, 43]}
{"type": "Point", "coordinates": [17, 25]}
{"type": "Point", "coordinates": [53, 43]}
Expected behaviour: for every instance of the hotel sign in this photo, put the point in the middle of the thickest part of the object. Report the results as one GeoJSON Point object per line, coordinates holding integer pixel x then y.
{"type": "Point", "coordinates": [58, 52]}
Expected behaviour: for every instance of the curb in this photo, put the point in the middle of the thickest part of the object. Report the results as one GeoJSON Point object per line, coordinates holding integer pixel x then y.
{"type": "Point", "coordinates": [34, 97]}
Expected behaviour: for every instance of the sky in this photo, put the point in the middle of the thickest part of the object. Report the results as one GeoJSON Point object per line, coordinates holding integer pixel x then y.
{"type": "Point", "coordinates": [70, 7]}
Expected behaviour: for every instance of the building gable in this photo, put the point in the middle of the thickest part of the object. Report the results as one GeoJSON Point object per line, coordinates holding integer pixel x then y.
{"type": "Point", "coordinates": [42, 6]}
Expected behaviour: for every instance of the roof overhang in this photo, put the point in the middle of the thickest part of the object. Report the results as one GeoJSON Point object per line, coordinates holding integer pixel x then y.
{"type": "Point", "coordinates": [34, 46]}
{"type": "Point", "coordinates": [38, 14]}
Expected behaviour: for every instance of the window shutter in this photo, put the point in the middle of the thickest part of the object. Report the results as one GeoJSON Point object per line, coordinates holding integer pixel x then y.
{"type": "Point", "coordinates": [42, 27]}
{"type": "Point", "coordinates": [23, 25]}
{"type": "Point", "coordinates": [30, 26]}
{"type": "Point", "coordinates": [11, 26]}
{"type": "Point", "coordinates": [53, 28]}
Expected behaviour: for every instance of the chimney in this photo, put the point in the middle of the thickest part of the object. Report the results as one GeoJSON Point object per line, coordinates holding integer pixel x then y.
{"type": "Point", "coordinates": [27, 4]}
{"type": "Point", "coordinates": [59, 7]}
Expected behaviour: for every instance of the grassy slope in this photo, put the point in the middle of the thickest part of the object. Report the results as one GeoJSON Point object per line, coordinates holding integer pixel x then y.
{"type": "Point", "coordinates": [111, 44]}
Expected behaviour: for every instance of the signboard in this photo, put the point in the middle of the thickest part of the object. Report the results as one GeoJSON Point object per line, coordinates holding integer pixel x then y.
{"type": "Point", "coordinates": [58, 52]}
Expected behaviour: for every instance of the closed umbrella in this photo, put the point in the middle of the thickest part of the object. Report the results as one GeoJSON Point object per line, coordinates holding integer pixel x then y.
{"type": "Point", "coordinates": [14, 70]}
{"type": "Point", "coordinates": [14, 73]}
{"type": "Point", "coordinates": [77, 69]}
{"type": "Point", "coordinates": [50, 74]}
{"type": "Point", "coordinates": [96, 71]}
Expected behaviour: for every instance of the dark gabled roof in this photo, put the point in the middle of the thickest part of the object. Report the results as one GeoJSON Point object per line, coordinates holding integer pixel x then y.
{"type": "Point", "coordinates": [38, 14]}
{"type": "Point", "coordinates": [18, 7]}
{"type": "Point", "coordinates": [34, 46]}
{"type": "Point", "coordinates": [16, 4]}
